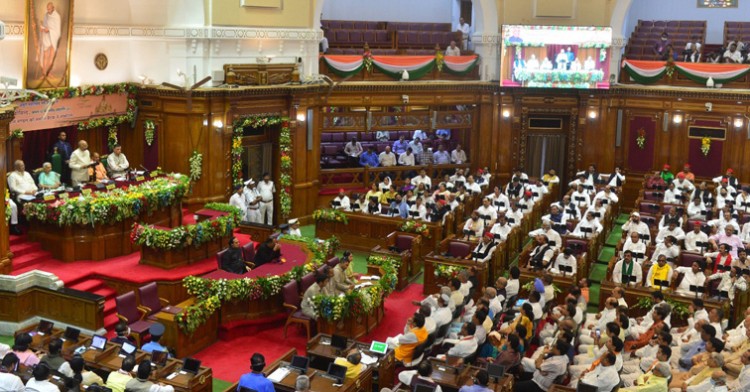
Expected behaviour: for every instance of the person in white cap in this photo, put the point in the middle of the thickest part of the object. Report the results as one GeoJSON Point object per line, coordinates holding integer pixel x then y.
{"type": "Point", "coordinates": [294, 227]}
{"type": "Point", "coordinates": [252, 199]}
{"type": "Point", "coordinates": [635, 224]}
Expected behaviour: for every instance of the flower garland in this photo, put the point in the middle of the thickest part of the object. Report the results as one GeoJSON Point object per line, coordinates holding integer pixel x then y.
{"type": "Point", "coordinates": [447, 271]}
{"type": "Point", "coordinates": [705, 146]}
{"type": "Point", "coordinates": [679, 309]}
{"type": "Point", "coordinates": [123, 88]}
{"type": "Point", "coordinates": [149, 130]}
{"type": "Point", "coordinates": [16, 134]}
{"type": "Point", "coordinates": [184, 236]}
{"type": "Point", "coordinates": [412, 226]}
{"type": "Point", "coordinates": [196, 165]}
{"type": "Point", "coordinates": [112, 138]}
{"type": "Point", "coordinates": [211, 293]}
{"type": "Point", "coordinates": [112, 206]}
{"type": "Point", "coordinates": [330, 215]}
{"type": "Point", "coordinates": [285, 146]}
{"type": "Point", "coordinates": [367, 60]}
{"type": "Point", "coordinates": [362, 301]}
{"type": "Point", "coordinates": [641, 139]}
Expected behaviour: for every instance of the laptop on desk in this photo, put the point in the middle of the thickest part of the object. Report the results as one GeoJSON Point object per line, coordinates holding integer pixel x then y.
{"type": "Point", "coordinates": [159, 358]}
{"type": "Point", "coordinates": [379, 348]}
{"type": "Point", "coordinates": [98, 342]}
{"type": "Point", "coordinates": [71, 334]}
{"type": "Point", "coordinates": [299, 364]}
{"type": "Point", "coordinates": [338, 342]}
{"type": "Point", "coordinates": [191, 365]}
{"type": "Point", "coordinates": [127, 349]}
{"type": "Point", "coordinates": [44, 327]}
{"type": "Point", "coordinates": [336, 373]}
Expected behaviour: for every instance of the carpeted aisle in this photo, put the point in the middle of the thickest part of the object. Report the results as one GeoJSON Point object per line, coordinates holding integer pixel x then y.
{"type": "Point", "coordinates": [230, 359]}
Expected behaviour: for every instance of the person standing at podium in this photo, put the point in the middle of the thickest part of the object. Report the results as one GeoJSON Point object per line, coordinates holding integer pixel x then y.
{"type": "Point", "coordinates": [256, 380]}
{"type": "Point", "coordinates": [80, 162]}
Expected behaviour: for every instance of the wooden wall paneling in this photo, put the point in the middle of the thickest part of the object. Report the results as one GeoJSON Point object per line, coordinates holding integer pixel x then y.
{"type": "Point", "coordinates": [6, 116]}
{"type": "Point", "coordinates": [483, 145]}
{"type": "Point", "coordinates": [132, 142]}
{"type": "Point", "coordinates": [505, 135]}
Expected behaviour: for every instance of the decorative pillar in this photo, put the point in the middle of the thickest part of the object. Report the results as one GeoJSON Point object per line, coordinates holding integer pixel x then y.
{"type": "Point", "coordinates": [6, 116]}
{"type": "Point", "coordinates": [486, 46]}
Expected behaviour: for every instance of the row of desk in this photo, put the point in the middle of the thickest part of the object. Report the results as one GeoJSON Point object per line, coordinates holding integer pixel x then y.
{"type": "Point", "coordinates": [379, 375]}
{"type": "Point", "coordinates": [108, 360]}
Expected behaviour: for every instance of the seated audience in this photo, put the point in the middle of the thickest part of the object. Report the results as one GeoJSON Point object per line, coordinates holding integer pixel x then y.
{"type": "Point", "coordinates": [39, 381]}
{"type": "Point", "coordinates": [141, 381]}
{"type": "Point", "coordinates": [21, 348]}
{"type": "Point", "coordinates": [118, 380]}
{"type": "Point", "coordinates": [353, 364]}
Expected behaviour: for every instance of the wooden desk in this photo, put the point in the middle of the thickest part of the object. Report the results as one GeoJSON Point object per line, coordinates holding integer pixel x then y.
{"type": "Point", "coordinates": [363, 232]}
{"type": "Point", "coordinates": [109, 360]}
{"type": "Point", "coordinates": [183, 344]}
{"type": "Point", "coordinates": [99, 242]}
{"type": "Point", "coordinates": [451, 378]}
{"type": "Point", "coordinates": [321, 355]}
{"type": "Point", "coordinates": [363, 383]}
{"type": "Point", "coordinates": [68, 306]}
{"type": "Point", "coordinates": [171, 258]}
{"type": "Point", "coordinates": [633, 294]}
{"type": "Point", "coordinates": [432, 282]}
{"type": "Point", "coordinates": [353, 327]}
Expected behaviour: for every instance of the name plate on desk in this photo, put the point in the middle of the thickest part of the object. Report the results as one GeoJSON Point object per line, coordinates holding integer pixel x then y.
{"type": "Point", "coordinates": [49, 197]}
{"type": "Point", "coordinates": [110, 187]}
{"type": "Point", "coordinates": [140, 178]}
{"type": "Point", "coordinates": [64, 195]}
{"type": "Point", "coordinates": [86, 192]}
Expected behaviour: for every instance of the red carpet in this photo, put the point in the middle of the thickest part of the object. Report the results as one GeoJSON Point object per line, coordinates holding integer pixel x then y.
{"type": "Point", "coordinates": [230, 359]}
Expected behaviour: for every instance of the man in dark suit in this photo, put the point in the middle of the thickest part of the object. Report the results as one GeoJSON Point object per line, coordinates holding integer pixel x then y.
{"type": "Point", "coordinates": [231, 260]}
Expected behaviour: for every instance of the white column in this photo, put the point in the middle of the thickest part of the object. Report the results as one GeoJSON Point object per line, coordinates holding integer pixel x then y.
{"type": "Point", "coordinates": [487, 46]}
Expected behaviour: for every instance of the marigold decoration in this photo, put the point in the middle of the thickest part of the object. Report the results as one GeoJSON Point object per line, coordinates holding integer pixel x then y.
{"type": "Point", "coordinates": [330, 215]}
{"type": "Point", "coordinates": [367, 60]}
{"type": "Point", "coordinates": [184, 236]}
{"type": "Point", "coordinates": [112, 206]}
{"type": "Point", "coordinates": [641, 139]}
{"type": "Point", "coordinates": [196, 165]}
{"type": "Point", "coordinates": [412, 226]}
{"type": "Point", "coordinates": [210, 294]}
{"type": "Point", "coordinates": [670, 68]}
{"type": "Point", "coordinates": [149, 131]}
{"type": "Point", "coordinates": [285, 147]}
{"type": "Point", "coordinates": [16, 134]}
{"type": "Point", "coordinates": [439, 60]}
{"type": "Point", "coordinates": [112, 138]}
{"type": "Point", "coordinates": [705, 146]}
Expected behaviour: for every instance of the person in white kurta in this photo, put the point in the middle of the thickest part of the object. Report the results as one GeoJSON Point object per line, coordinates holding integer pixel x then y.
{"type": "Point", "coordinates": [266, 189]}
{"type": "Point", "coordinates": [51, 30]}
{"type": "Point", "coordinates": [20, 181]}
{"type": "Point", "coordinates": [117, 162]}
{"type": "Point", "coordinates": [238, 199]}
{"type": "Point", "coordinates": [80, 161]}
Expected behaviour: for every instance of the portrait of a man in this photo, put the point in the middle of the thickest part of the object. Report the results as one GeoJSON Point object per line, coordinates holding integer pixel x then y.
{"type": "Point", "coordinates": [49, 27]}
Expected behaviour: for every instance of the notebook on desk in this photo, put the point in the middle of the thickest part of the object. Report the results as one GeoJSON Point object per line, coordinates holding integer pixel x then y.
{"type": "Point", "coordinates": [279, 374]}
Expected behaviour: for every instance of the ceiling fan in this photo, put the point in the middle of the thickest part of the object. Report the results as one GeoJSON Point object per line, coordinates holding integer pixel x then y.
{"type": "Point", "coordinates": [188, 91]}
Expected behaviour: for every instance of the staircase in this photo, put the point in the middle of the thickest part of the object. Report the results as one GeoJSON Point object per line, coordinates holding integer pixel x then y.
{"type": "Point", "coordinates": [599, 270]}
{"type": "Point", "coordinates": [28, 256]}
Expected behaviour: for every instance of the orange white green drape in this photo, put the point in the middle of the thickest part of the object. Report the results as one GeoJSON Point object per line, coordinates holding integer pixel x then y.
{"type": "Point", "coordinates": [647, 72]}
{"type": "Point", "coordinates": [417, 66]}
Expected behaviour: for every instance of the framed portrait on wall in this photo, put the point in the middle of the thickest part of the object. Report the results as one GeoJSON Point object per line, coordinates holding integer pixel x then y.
{"type": "Point", "coordinates": [47, 43]}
